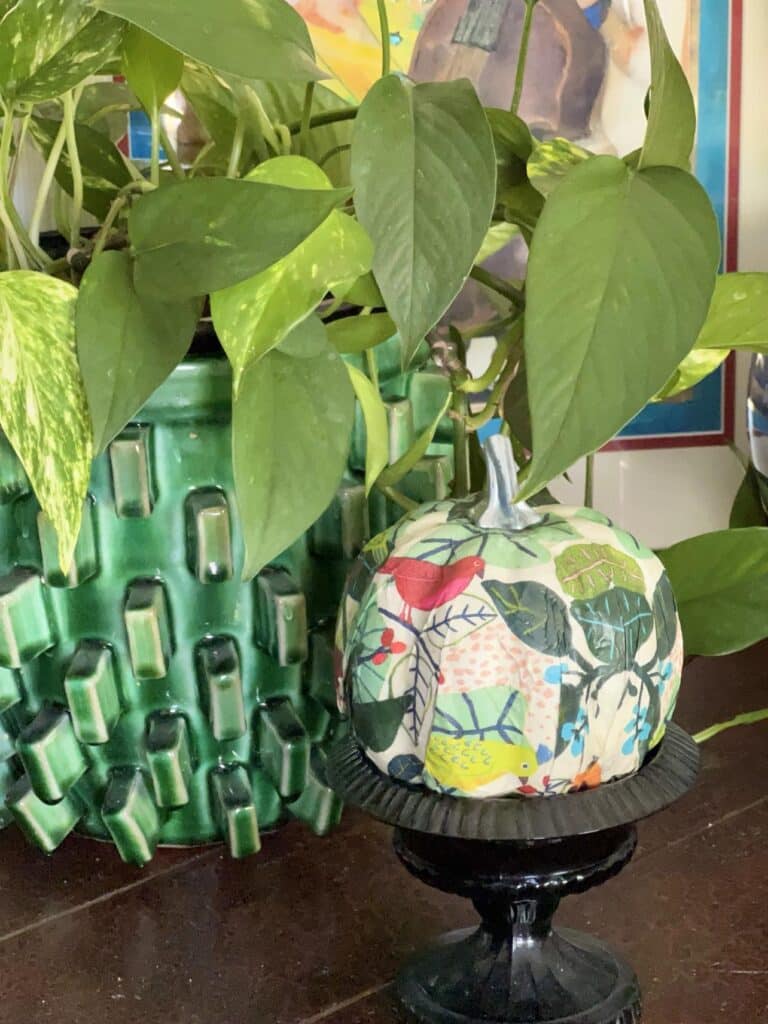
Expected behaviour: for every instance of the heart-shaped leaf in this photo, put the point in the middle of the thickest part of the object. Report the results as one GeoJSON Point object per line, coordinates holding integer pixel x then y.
{"type": "Point", "coordinates": [264, 38]}
{"type": "Point", "coordinates": [748, 508]}
{"type": "Point", "coordinates": [255, 315]}
{"type": "Point", "coordinates": [153, 68]}
{"type": "Point", "coordinates": [49, 46]}
{"type": "Point", "coordinates": [203, 235]}
{"type": "Point", "coordinates": [353, 334]}
{"type": "Point", "coordinates": [424, 170]}
{"type": "Point", "coordinates": [103, 168]}
{"type": "Point", "coordinates": [551, 160]}
{"type": "Point", "coordinates": [127, 343]}
{"type": "Point", "coordinates": [671, 127]}
{"type": "Point", "coordinates": [43, 410]}
{"type": "Point", "coordinates": [738, 314]}
{"type": "Point", "coordinates": [720, 581]}
{"type": "Point", "coordinates": [620, 277]}
{"type": "Point", "coordinates": [697, 365]}
{"type": "Point", "coordinates": [376, 429]}
{"type": "Point", "coordinates": [292, 420]}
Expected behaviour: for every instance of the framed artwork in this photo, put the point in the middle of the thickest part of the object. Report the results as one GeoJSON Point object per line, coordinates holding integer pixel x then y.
{"type": "Point", "coordinates": [586, 80]}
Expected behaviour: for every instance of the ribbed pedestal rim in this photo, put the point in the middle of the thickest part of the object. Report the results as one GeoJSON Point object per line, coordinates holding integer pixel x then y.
{"type": "Point", "coordinates": [667, 774]}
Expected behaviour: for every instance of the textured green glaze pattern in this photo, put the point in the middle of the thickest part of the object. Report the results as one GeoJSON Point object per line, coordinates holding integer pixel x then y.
{"type": "Point", "coordinates": [150, 696]}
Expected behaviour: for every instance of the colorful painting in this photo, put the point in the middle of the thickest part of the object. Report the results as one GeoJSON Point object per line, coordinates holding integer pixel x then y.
{"type": "Point", "coordinates": [488, 662]}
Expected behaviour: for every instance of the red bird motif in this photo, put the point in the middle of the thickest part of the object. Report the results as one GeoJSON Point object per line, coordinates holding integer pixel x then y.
{"type": "Point", "coordinates": [426, 586]}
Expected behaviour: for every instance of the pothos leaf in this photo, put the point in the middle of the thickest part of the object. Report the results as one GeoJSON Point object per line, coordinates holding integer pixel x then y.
{"type": "Point", "coordinates": [424, 170]}
{"type": "Point", "coordinates": [738, 314]}
{"type": "Point", "coordinates": [626, 253]}
{"type": "Point", "coordinates": [265, 37]}
{"type": "Point", "coordinates": [49, 46]}
{"type": "Point", "coordinates": [292, 420]}
{"type": "Point", "coordinates": [697, 365]}
{"type": "Point", "coordinates": [352, 334]}
{"type": "Point", "coordinates": [207, 234]}
{"type": "Point", "coordinates": [720, 580]}
{"type": "Point", "coordinates": [43, 409]}
{"type": "Point", "coordinates": [104, 170]}
{"type": "Point", "coordinates": [671, 127]}
{"type": "Point", "coordinates": [748, 508]}
{"type": "Point", "coordinates": [255, 315]}
{"type": "Point", "coordinates": [153, 68]}
{"type": "Point", "coordinates": [127, 344]}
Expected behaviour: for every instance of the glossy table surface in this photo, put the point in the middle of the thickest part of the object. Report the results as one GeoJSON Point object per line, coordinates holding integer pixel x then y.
{"type": "Point", "coordinates": [313, 930]}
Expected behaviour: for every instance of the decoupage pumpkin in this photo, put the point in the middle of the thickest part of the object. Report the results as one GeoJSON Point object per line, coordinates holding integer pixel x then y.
{"type": "Point", "coordinates": [490, 648]}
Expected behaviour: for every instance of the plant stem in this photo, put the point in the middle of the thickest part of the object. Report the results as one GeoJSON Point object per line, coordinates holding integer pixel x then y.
{"type": "Point", "coordinates": [170, 152]}
{"type": "Point", "coordinates": [498, 285]}
{"type": "Point", "coordinates": [748, 718]}
{"type": "Point", "coordinates": [386, 54]}
{"type": "Point", "coordinates": [460, 445]}
{"type": "Point", "coordinates": [522, 55]}
{"type": "Point", "coordinates": [306, 116]}
{"type": "Point", "coordinates": [233, 167]}
{"type": "Point", "coordinates": [75, 168]}
{"type": "Point", "coordinates": [326, 117]}
{"type": "Point", "coordinates": [505, 344]}
{"type": "Point", "coordinates": [46, 181]}
{"type": "Point", "coordinates": [589, 481]}
{"type": "Point", "coordinates": [332, 153]}
{"type": "Point", "coordinates": [154, 155]}
{"type": "Point", "coordinates": [13, 247]}
{"type": "Point", "coordinates": [406, 504]}
{"type": "Point", "coordinates": [109, 220]}
{"type": "Point", "coordinates": [19, 146]}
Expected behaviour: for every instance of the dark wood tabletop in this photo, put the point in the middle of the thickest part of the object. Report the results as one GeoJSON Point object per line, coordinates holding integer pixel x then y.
{"type": "Point", "coordinates": [313, 930]}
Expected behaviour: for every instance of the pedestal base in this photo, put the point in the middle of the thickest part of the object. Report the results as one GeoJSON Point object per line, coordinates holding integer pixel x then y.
{"type": "Point", "coordinates": [569, 979]}
{"type": "Point", "coordinates": [516, 968]}
{"type": "Point", "coordinates": [516, 859]}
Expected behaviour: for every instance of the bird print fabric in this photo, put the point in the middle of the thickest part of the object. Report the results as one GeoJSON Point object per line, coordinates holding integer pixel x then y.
{"type": "Point", "coordinates": [492, 662]}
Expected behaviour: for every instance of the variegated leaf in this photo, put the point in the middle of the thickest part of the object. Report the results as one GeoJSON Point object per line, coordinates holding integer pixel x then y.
{"type": "Point", "coordinates": [255, 315]}
{"type": "Point", "coordinates": [50, 46]}
{"type": "Point", "coordinates": [43, 409]}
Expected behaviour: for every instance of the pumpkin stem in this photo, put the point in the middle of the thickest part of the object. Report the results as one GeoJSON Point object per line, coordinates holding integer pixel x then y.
{"type": "Point", "coordinates": [498, 509]}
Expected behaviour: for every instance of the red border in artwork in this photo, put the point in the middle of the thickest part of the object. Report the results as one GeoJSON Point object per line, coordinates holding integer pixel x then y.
{"type": "Point", "coordinates": [730, 254]}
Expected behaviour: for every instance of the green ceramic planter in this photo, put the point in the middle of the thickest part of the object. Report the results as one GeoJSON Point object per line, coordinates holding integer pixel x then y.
{"type": "Point", "coordinates": [150, 696]}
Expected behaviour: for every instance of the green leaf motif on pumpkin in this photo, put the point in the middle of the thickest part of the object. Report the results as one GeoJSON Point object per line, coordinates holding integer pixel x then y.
{"type": "Point", "coordinates": [43, 409]}
{"type": "Point", "coordinates": [376, 722]}
{"type": "Point", "coordinates": [534, 613]}
{"type": "Point", "coordinates": [664, 617]}
{"type": "Point", "coordinates": [586, 570]}
{"type": "Point", "coordinates": [616, 624]}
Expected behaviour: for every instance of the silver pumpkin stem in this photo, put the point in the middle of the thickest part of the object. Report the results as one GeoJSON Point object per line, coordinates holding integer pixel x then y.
{"type": "Point", "coordinates": [498, 509]}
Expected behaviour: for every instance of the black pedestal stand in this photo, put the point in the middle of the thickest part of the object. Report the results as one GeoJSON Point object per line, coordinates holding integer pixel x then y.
{"type": "Point", "coordinates": [515, 859]}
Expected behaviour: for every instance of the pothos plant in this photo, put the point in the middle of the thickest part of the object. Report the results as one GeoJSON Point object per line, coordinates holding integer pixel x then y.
{"type": "Point", "coordinates": [310, 230]}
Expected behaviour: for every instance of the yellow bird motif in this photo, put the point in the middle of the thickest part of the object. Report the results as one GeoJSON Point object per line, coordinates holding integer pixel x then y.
{"type": "Point", "coordinates": [469, 763]}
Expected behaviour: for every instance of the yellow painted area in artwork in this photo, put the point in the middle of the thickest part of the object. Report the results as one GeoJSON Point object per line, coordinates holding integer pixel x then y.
{"type": "Point", "coordinates": [345, 34]}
